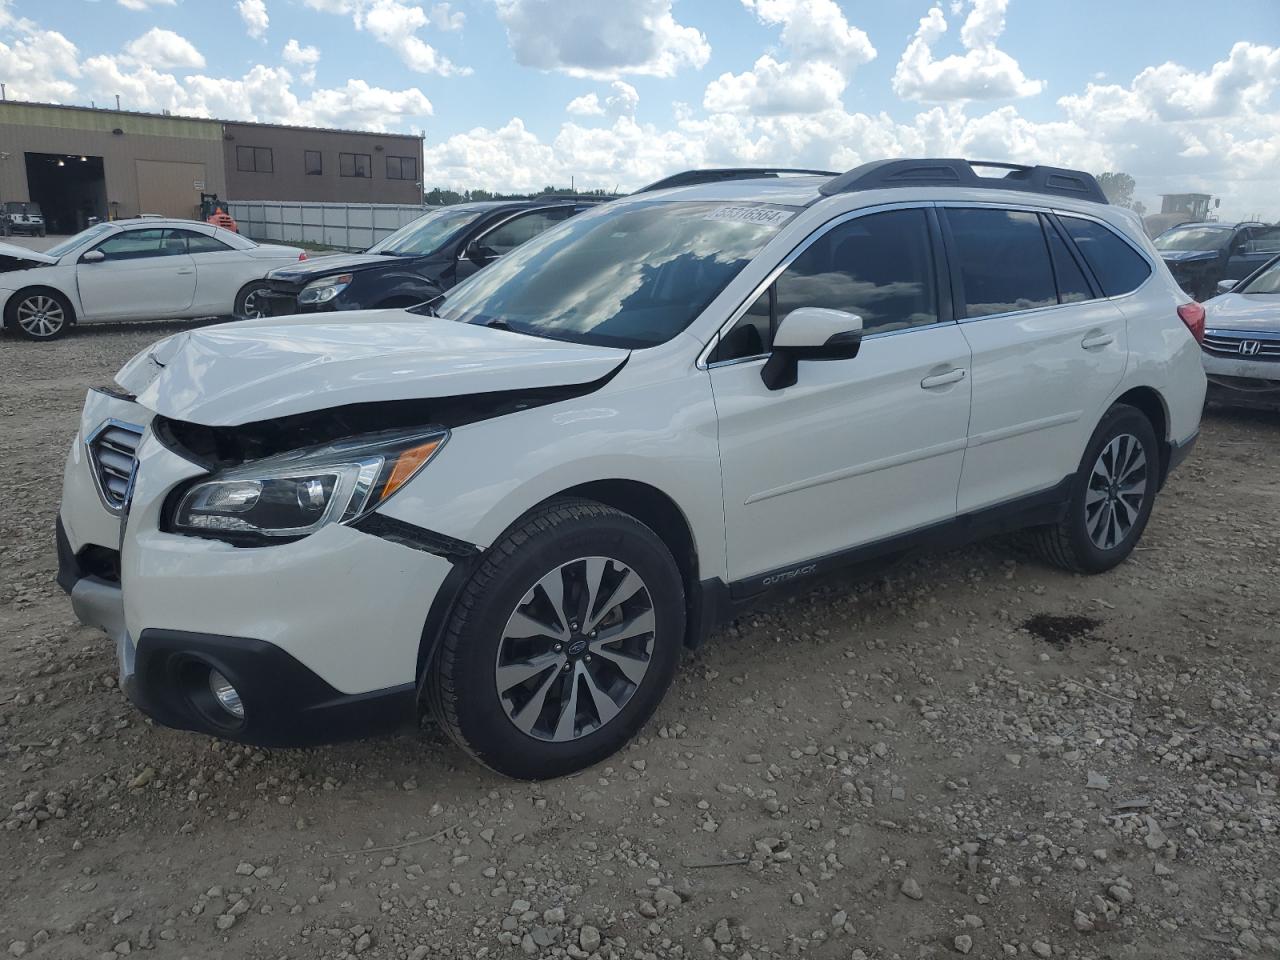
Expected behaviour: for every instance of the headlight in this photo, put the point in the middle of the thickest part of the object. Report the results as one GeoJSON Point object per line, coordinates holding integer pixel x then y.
{"type": "Point", "coordinates": [295, 494]}
{"type": "Point", "coordinates": [322, 291]}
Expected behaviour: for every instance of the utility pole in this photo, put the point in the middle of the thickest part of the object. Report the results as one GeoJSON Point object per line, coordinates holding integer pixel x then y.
{"type": "Point", "coordinates": [117, 101]}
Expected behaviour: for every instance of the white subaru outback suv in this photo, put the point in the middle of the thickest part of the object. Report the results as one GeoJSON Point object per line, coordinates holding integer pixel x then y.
{"type": "Point", "coordinates": [518, 505]}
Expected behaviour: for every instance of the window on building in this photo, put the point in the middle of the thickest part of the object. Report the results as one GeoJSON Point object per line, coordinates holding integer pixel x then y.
{"type": "Point", "coordinates": [1003, 259]}
{"type": "Point", "coordinates": [402, 168]}
{"type": "Point", "coordinates": [312, 163]}
{"type": "Point", "coordinates": [1118, 267]}
{"type": "Point", "coordinates": [879, 267]}
{"type": "Point", "coordinates": [354, 165]}
{"type": "Point", "coordinates": [254, 160]}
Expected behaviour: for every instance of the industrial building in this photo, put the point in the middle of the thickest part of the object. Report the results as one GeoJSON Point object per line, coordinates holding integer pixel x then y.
{"type": "Point", "coordinates": [83, 162]}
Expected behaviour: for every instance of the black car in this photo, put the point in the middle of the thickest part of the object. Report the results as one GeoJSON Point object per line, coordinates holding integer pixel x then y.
{"type": "Point", "coordinates": [1199, 255]}
{"type": "Point", "coordinates": [419, 261]}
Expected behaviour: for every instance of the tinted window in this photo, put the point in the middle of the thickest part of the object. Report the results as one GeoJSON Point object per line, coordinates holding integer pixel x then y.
{"type": "Point", "coordinates": [1117, 265]}
{"type": "Point", "coordinates": [199, 242]}
{"type": "Point", "coordinates": [522, 229]}
{"type": "Point", "coordinates": [879, 267]}
{"type": "Point", "coordinates": [354, 165]}
{"type": "Point", "coordinates": [1003, 261]}
{"type": "Point", "coordinates": [136, 244]}
{"type": "Point", "coordinates": [1072, 285]}
{"type": "Point", "coordinates": [312, 163]}
{"type": "Point", "coordinates": [254, 159]}
{"type": "Point", "coordinates": [631, 274]}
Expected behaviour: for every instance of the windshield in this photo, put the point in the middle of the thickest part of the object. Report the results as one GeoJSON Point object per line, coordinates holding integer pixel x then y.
{"type": "Point", "coordinates": [81, 238]}
{"type": "Point", "coordinates": [631, 275]}
{"type": "Point", "coordinates": [1266, 281]}
{"type": "Point", "coordinates": [1192, 238]}
{"type": "Point", "coordinates": [426, 234]}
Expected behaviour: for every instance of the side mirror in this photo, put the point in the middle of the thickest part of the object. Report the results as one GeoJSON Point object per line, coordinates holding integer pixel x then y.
{"type": "Point", "coordinates": [810, 333]}
{"type": "Point", "coordinates": [478, 253]}
{"type": "Point", "coordinates": [93, 256]}
{"type": "Point", "coordinates": [1226, 286]}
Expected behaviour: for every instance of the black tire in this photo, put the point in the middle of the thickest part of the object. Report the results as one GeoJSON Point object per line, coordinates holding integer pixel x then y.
{"type": "Point", "coordinates": [244, 307]}
{"type": "Point", "coordinates": [53, 322]}
{"type": "Point", "coordinates": [461, 687]}
{"type": "Point", "coordinates": [1069, 544]}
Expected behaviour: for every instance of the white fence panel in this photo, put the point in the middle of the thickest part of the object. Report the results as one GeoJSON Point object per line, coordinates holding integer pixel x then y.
{"type": "Point", "coordinates": [343, 226]}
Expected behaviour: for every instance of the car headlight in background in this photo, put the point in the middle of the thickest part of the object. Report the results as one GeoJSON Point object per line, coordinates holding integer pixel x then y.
{"type": "Point", "coordinates": [295, 494]}
{"type": "Point", "coordinates": [322, 291]}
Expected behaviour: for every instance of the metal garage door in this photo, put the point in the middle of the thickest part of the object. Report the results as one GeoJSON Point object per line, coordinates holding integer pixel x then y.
{"type": "Point", "coordinates": [169, 187]}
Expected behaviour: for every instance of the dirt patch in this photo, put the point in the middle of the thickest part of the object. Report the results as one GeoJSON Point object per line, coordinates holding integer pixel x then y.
{"type": "Point", "coordinates": [1061, 631]}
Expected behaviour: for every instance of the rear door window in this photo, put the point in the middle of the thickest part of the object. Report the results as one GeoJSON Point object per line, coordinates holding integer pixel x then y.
{"type": "Point", "coordinates": [1119, 268]}
{"type": "Point", "coordinates": [1003, 261]}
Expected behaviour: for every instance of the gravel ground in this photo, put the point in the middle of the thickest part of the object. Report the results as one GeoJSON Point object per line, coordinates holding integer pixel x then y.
{"type": "Point", "coordinates": [971, 754]}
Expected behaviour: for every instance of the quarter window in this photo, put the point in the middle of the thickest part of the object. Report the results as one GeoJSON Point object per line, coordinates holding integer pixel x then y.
{"type": "Point", "coordinates": [312, 163]}
{"type": "Point", "coordinates": [879, 267]}
{"type": "Point", "coordinates": [254, 160]}
{"type": "Point", "coordinates": [354, 165]}
{"type": "Point", "coordinates": [1117, 265]}
{"type": "Point", "coordinates": [402, 168]}
{"type": "Point", "coordinates": [1003, 261]}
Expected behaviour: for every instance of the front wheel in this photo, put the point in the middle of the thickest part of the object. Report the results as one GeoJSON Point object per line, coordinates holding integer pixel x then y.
{"type": "Point", "coordinates": [562, 643]}
{"type": "Point", "coordinates": [1111, 496]}
{"type": "Point", "coordinates": [38, 314]}
{"type": "Point", "coordinates": [250, 303]}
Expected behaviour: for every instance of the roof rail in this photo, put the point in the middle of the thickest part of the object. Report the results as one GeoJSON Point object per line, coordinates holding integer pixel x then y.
{"type": "Point", "coordinates": [960, 173]}
{"type": "Point", "coordinates": [688, 178]}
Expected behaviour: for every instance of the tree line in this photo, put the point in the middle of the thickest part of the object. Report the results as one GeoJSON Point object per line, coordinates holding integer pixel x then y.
{"type": "Point", "coordinates": [442, 197]}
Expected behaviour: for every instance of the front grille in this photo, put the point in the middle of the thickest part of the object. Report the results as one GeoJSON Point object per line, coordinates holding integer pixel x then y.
{"type": "Point", "coordinates": [113, 457]}
{"type": "Point", "coordinates": [1242, 346]}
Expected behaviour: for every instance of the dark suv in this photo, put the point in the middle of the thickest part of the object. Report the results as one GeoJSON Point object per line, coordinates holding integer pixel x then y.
{"type": "Point", "coordinates": [418, 261]}
{"type": "Point", "coordinates": [1199, 255]}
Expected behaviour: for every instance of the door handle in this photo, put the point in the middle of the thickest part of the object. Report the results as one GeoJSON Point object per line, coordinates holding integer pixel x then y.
{"type": "Point", "coordinates": [183, 273]}
{"type": "Point", "coordinates": [942, 379]}
{"type": "Point", "coordinates": [1097, 340]}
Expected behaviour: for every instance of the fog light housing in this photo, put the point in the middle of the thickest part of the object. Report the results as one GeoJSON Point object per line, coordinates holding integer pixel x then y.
{"type": "Point", "coordinates": [228, 697]}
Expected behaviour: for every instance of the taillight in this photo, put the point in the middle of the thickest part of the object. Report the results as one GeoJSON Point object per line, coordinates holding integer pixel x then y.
{"type": "Point", "coordinates": [302, 255]}
{"type": "Point", "coordinates": [1192, 314]}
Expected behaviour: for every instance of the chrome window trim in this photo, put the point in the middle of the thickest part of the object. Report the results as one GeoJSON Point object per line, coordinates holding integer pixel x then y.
{"type": "Point", "coordinates": [819, 232]}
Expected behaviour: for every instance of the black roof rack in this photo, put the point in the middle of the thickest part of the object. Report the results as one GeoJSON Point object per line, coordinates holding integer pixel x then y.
{"type": "Point", "coordinates": [960, 173]}
{"type": "Point", "coordinates": [688, 178]}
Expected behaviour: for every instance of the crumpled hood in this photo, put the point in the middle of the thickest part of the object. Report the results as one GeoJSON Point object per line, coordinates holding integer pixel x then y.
{"type": "Point", "coordinates": [1187, 256]}
{"type": "Point", "coordinates": [1244, 312]}
{"type": "Point", "coordinates": [22, 253]}
{"type": "Point", "coordinates": [254, 370]}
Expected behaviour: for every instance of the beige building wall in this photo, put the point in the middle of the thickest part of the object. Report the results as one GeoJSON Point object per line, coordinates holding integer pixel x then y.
{"type": "Point", "coordinates": [122, 140]}
{"type": "Point", "coordinates": [288, 179]}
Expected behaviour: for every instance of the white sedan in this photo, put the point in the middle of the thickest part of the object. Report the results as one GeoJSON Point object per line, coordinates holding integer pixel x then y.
{"type": "Point", "coordinates": [144, 269]}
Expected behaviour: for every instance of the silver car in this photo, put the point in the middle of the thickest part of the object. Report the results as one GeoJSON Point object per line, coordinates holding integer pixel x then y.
{"type": "Point", "coordinates": [1242, 340]}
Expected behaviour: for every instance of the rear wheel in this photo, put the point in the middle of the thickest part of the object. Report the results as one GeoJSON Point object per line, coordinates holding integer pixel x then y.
{"type": "Point", "coordinates": [250, 303]}
{"type": "Point", "coordinates": [1111, 496]}
{"type": "Point", "coordinates": [562, 644]}
{"type": "Point", "coordinates": [38, 314]}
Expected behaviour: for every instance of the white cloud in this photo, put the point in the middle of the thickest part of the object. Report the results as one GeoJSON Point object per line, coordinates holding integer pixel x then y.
{"type": "Point", "coordinates": [587, 105]}
{"type": "Point", "coordinates": [302, 57]}
{"type": "Point", "coordinates": [145, 4]}
{"type": "Point", "coordinates": [37, 64]}
{"type": "Point", "coordinates": [982, 72]}
{"type": "Point", "coordinates": [444, 18]}
{"type": "Point", "coordinates": [254, 15]}
{"type": "Point", "coordinates": [604, 39]}
{"type": "Point", "coordinates": [166, 49]}
{"type": "Point", "coordinates": [825, 49]}
{"type": "Point", "coordinates": [815, 29]}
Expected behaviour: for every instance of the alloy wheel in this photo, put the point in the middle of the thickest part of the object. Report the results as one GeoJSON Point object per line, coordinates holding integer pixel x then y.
{"type": "Point", "coordinates": [576, 649]}
{"type": "Point", "coordinates": [41, 316]}
{"type": "Point", "coordinates": [1117, 488]}
{"type": "Point", "coordinates": [251, 308]}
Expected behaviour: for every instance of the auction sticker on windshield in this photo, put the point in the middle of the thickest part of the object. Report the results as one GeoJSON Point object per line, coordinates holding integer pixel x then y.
{"type": "Point", "coordinates": [766, 216]}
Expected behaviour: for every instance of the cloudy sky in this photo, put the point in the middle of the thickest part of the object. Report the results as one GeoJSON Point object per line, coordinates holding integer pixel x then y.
{"type": "Point", "coordinates": [515, 94]}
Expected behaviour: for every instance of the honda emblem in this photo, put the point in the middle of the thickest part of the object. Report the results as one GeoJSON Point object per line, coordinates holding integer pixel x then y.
{"type": "Point", "coordinates": [1249, 348]}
